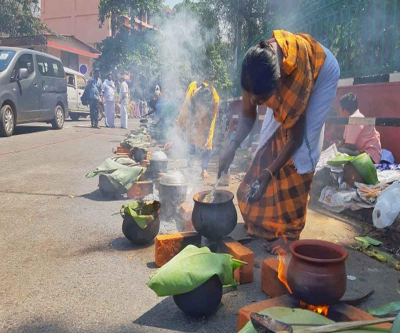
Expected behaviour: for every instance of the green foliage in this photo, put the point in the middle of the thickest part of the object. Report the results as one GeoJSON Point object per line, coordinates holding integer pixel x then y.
{"type": "Point", "coordinates": [21, 18]}
{"type": "Point", "coordinates": [385, 309]}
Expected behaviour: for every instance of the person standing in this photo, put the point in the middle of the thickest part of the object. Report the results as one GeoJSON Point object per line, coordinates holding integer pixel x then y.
{"type": "Point", "coordinates": [94, 100]}
{"type": "Point", "coordinates": [109, 97]}
{"type": "Point", "coordinates": [123, 101]}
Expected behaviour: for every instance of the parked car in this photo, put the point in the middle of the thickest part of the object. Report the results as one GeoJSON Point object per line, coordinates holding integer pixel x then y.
{"type": "Point", "coordinates": [32, 89]}
{"type": "Point", "coordinates": [76, 84]}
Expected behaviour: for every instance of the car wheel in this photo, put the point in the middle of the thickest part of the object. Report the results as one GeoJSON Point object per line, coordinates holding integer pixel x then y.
{"type": "Point", "coordinates": [7, 121]}
{"type": "Point", "coordinates": [74, 116]}
{"type": "Point", "coordinates": [58, 121]}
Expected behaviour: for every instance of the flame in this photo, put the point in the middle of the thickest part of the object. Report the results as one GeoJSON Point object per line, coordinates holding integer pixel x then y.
{"type": "Point", "coordinates": [321, 309]}
{"type": "Point", "coordinates": [282, 269]}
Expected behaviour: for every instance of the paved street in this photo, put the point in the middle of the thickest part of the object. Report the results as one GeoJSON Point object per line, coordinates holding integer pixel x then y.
{"type": "Point", "coordinates": [66, 266]}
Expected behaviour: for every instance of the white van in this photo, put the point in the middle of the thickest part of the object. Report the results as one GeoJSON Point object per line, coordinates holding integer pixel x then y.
{"type": "Point", "coordinates": [76, 84]}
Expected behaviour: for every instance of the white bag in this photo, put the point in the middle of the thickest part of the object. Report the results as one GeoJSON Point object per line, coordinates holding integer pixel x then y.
{"type": "Point", "coordinates": [387, 207]}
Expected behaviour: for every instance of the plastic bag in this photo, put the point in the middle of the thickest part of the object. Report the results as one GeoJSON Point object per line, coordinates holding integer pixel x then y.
{"type": "Point", "coordinates": [387, 208]}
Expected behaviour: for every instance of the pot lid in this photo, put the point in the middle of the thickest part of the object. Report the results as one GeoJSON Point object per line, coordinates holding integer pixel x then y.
{"type": "Point", "coordinates": [159, 156]}
{"type": "Point", "coordinates": [173, 178]}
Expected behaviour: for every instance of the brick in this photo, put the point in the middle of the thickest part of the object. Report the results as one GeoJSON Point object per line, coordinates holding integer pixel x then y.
{"type": "Point", "coordinates": [284, 301]}
{"type": "Point", "coordinates": [121, 150]}
{"type": "Point", "coordinates": [185, 212]}
{"type": "Point", "coordinates": [140, 189]}
{"type": "Point", "coordinates": [244, 274]}
{"type": "Point", "coordinates": [168, 246]}
{"type": "Point", "coordinates": [270, 284]}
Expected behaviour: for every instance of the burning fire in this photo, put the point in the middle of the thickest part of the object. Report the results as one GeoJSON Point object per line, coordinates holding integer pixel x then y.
{"type": "Point", "coordinates": [321, 309]}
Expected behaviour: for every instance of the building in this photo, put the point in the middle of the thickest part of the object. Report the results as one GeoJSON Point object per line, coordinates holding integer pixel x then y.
{"type": "Point", "coordinates": [80, 18]}
{"type": "Point", "coordinates": [73, 53]}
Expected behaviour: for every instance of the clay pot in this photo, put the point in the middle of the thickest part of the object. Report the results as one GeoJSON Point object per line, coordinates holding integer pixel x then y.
{"type": "Point", "coordinates": [202, 301]}
{"type": "Point", "coordinates": [317, 271]}
{"type": "Point", "coordinates": [138, 235]}
{"type": "Point", "coordinates": [216, 219]}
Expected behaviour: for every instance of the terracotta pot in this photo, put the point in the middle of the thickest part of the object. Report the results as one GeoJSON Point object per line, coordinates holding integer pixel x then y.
{"type": "Point", "coordinates": [217, 219]}
{"type": "Point", "coordinates": [138, 235]}
{"type": "Point", "coordinates": [202, 301]}
{"type": "Point", "coordinates": [317, 271]}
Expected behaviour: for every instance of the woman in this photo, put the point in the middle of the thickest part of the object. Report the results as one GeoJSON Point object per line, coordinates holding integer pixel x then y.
{"type": "Point", "coordinates": [296, 78]}
{"type": "Point", "coordinates": [197, 117]}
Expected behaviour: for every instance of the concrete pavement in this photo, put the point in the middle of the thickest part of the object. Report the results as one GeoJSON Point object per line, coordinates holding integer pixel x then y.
{"type": "Point", "coordinates": [66, 266]}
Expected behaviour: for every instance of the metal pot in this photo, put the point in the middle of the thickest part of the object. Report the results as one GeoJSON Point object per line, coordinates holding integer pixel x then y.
{"type": "Point", "coordinates": [173, 189]}
{"type": "Point", "coordinates": [317, 271]}
{"type": "Point", "coordinates": [217, 219]}
{"type": "Point", "coordinates": [158, 162]}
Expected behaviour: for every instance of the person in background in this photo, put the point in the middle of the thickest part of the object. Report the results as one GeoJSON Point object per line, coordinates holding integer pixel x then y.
{"type": "Point", "coordinates": [197, 117]}
{"type": "Point", "coordinates": [94, 100]}
{"type": "Point", "coordinates": [296, 78]}
{"type": "Point", "coordinates": [358, 139]}
{"type": "Point", "coordinates": [109, 97]}
{"type": "Point", "coordinates": [123, 101]}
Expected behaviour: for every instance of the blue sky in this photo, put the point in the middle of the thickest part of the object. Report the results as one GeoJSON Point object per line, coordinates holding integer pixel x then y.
{"type": "Point", "coordinates": [172, 3]}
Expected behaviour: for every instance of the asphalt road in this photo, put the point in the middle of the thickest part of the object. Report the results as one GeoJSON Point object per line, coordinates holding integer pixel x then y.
{"type": "Point", "coordinates": [66, 266]}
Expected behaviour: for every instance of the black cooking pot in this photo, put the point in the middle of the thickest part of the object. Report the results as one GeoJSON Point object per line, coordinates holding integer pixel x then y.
{"type": "Point", "coordinates": [202, 301]}
{"type": "Point", "coordinates": [217, 219]}
{"type": "Point", "coordinates": [138, 235]}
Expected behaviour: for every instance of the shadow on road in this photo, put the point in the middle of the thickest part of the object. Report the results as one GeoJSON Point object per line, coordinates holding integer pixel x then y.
{"type": "Point", "coordinates": [31, 129]}
{"type": "Point", "coordinates": [166, 315]}
{"type": "Point", "coordinates": [123, 244]}
{"type": "Point", "coordinates": [96, 195]}
{"type": "Point", "coordinates": [40, 194]}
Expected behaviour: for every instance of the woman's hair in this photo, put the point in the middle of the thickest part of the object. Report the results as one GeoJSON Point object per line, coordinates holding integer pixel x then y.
{"type": "Point", "coordinates": [349, 102]}
{"type": "Point", "coordinates": [260, 70]}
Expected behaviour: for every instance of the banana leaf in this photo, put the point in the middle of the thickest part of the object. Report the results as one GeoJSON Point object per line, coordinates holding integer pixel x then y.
{"type": "Point", "coordinates": [367, 241]}
{"type": "Point", "coordinates": [340, 160]}
{"type": "Point", "coordinates": [396, 325]}
{"type": "Point", "coordinates": [366, 168]}
{"type": "Point", "coordinates": [143, 213]}
{"type": "Point", "coordinates": [190, 269]}
{"type": "Point", "coordinates": [300, 316]}
{"type": "Point", "coordinates": [385, 309]}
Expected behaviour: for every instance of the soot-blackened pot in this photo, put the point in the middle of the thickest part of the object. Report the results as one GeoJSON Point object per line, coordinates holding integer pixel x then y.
{"type": "Point", "coordinates": [138, 235]}
{"type": "Point", "coordinates": [203, 300]}
{"type": "Point", "coordinates": [216, 219]}
{"type": "Point", "coordinates": [317, 271]}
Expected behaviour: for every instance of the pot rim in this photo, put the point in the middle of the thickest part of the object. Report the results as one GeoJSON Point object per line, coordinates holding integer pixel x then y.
{"type": "Point", "coordinates": [344, 253]}
{"type": "Point", "coordinates": [197, 196]}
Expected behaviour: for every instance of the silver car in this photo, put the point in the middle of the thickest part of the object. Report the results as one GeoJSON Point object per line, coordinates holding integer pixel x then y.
{"type": "Point", "coordinates": [32, 89]}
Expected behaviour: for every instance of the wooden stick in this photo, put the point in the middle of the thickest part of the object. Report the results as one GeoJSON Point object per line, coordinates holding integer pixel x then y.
{"type": "Point", "coordinates": [344, 326]}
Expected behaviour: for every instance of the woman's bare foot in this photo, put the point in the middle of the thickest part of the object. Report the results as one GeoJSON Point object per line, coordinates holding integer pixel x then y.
{"type": "Point", "coordinates": [205, 174]}
{"type": "Point", "coordinates": [280, 244]}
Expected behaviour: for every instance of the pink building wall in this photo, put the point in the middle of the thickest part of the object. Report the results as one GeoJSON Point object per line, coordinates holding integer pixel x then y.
{"type": "Point", "coordinates": [75, 17]}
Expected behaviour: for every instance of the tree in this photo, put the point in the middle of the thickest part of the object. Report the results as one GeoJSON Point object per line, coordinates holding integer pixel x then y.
{"type": "Point", "coordinates": [114, 9]}
{"type": "Point", "coordinates": [20, 18]}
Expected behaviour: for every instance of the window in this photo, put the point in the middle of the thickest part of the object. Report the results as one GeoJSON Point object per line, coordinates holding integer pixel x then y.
{"type": "Point", "coordinates": [70, 80]}
{"type": "Point", "coordinates": [5, 59]}
{"type": "Point", "coordinates": [81, 82]}
{"type": "Point", "coordinates": [50, 67]}
{"type": "Point", "coordinates": [24, 61]}
{"type": "Point", "coordinates": [70, 60]}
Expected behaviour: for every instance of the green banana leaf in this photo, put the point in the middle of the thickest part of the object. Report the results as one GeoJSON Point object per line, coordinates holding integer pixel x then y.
{"type": "Point", "coordinates": [366, 168]}
{"type": "Point", "coordinates": [190, 269]}
{"type": "Point", "coordinates": [396, 325]}
{"type": "Point", "coordinates": [367, 241]}
{"type": "Point", "coordinates": [143, 213]}
{"type": "Point", "coordinates": [385, 309]}
{"type": "Point", "coordinates": [300, 316]}
{"type": "Point", "coordinates": [120, 176]}
{"type": "Point", "coordinates": [340, 160]}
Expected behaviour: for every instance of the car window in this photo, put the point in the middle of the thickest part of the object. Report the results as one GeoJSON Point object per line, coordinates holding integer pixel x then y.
{"type": "Point", "coordinates": [81, 82]}
{"type": "Point", "coordinates": [24, 61]}
{"type": "Point", "coordinates": [70, 79]}
{"type": "Point", "coordinates": [49, 67]}
{"type": "Point", "coordinates": [5, 59]}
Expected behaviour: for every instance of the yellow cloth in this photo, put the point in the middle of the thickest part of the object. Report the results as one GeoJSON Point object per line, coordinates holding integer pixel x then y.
{"type": "Point", "coordinates": [204, 128]}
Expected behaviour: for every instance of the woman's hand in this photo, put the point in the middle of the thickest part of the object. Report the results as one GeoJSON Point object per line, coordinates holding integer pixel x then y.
{"type": "Point", "coordinates": [226, 160]}
{"type": "Point", "coordinates": [168, 145]}
{"type": "Point", "coordinates": [261, 184]}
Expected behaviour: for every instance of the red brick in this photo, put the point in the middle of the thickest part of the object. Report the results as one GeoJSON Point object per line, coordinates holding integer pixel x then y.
{"type": "Point", "coordinates": [168, 246]}
{"type": "Point", "coordinates": [270, 283]}
{"type": "Point", "coordinates": [244, 274]}
{"type": "Point", "coordinates": [185, 212]}
{"type": "Point", "coordinates": [140, 189]}
{"type": "Point", "coordinates": [121, 150]}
